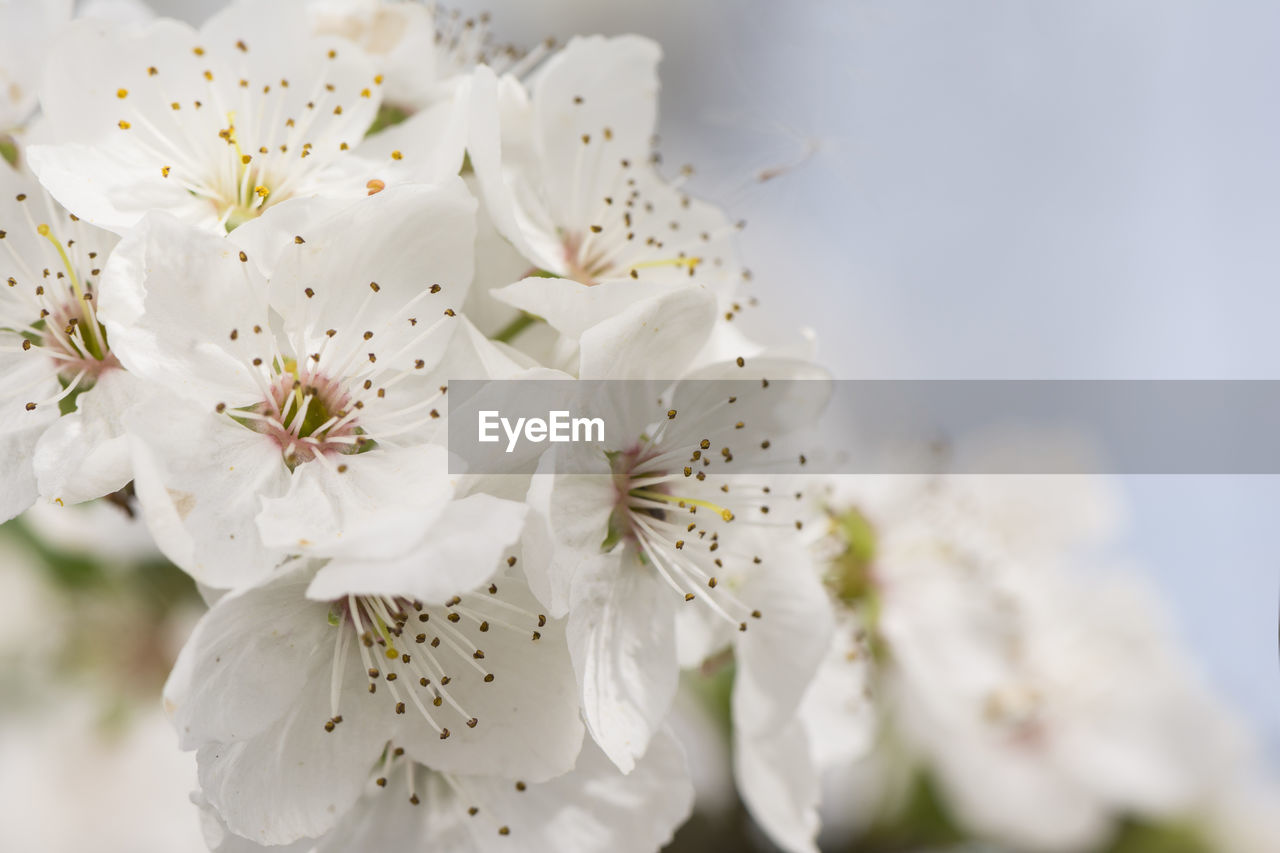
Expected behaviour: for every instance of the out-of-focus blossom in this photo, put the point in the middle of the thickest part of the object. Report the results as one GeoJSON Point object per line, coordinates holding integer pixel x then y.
{"type": "Point", "coordinates": [1048, 705]}
{"type": "Point", "coordinates": [422, 51]}
{"type": "Point", "coordinates": [26, 30]}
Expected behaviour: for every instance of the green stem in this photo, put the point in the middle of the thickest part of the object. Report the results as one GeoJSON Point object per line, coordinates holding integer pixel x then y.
{"type": "Point", "coordinates": [9, 150]}
{"type": "Point", "coordinates": [509, 332]}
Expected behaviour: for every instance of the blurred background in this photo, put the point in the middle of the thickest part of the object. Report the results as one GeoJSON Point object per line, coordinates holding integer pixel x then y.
{"type": "Point", "coordinates": [938, 189]}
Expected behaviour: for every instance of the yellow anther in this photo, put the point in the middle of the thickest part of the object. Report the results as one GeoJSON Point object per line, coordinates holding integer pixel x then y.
{"type": "Point", "coordinates": [688, 263]}
{"type": "Point", "coordinates": [682, 502]}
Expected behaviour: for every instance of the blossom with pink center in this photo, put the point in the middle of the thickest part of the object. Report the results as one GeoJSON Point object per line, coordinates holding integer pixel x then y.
{"type": "Point", "coordinates": [301, 397]}
{"type": "Point", "coordinates": [666, 551]}
{"type": "Point", "coordinates": [62, 392]}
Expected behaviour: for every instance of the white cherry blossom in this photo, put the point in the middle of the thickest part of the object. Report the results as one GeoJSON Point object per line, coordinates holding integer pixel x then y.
{"type": "Point", "coordinates": [1047, 702]}
{"type": "Point", "coordinates": [295, 702]}
{"type": "Point", "coordinates": [62, 389]}
{"type": "Point", "coordinates": [26, 29]}
{"type": "Point", "coordinates": [399, 37]}
{"type": "Point", "coordinates": [422, 51]}
{"type": "Point", "coordinates": [212, 126]}
{"type": "Point", "coordinates": [299, 404]}
{"type": "Point", "coordinates": [661, 555]}
{"type": "Point", "coordinates": [568, 176]}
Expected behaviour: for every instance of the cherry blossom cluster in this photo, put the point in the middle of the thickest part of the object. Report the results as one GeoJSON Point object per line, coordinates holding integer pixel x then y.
{"type": "Point", "coordinates": [240, 266]}
{"type": "Point", "coordinates": [243, 264]}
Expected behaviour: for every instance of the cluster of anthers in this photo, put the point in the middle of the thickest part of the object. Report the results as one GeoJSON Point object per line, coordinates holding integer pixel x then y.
{"type": "Point", "coordinates": [440, 789]}
{"type": "Point", "coordinates": [466, 41]}
{"type": "Point", "coordinates": [661, 482]}
{"type": "Point", "coordinates": [257, 142]}
{"type": "Point", "coordinates": [336, 399]}
{"type": "Point", "coordinates": [640, 223]}
{"type": "Point", "coordinates": [65, 325]}
{"type": "Point", "coordinates": [416, 650]}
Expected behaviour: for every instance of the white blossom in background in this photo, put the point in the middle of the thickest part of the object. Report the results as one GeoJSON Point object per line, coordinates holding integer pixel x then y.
{"type": "Point", "coordinates": [399, 37]}
{"type": "Point", "coordinates": [295, 703]}
{"type": "Point", "coordinates": [298, 404]}
{"type": "Point", "coordinates": [26, 29]}
{"type": "Point", "coordinates": [63, 754]}
{"type": "Point", "coordinates": [62, 389]}
{"type": "Point", "coordinates": [422, 51]}
{"type": "Point", "coordinates": [104, 530]}
{"type": "Point", "coordinates": [1048, 703]}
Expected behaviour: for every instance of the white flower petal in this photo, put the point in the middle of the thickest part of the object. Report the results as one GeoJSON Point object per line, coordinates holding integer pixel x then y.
{"type": "Point", "coordinates": [113, 186]}
{"type": "Point", "coordinates": [617, 82]}
{"type": "Point", "coordinates": [221, 840]}
{"type": "Point", "coordinates": [22, 380]}
{"type": "Point", "coordinates": [171, 297]}
{"type": "Point", "coordinates": [425, 148]}
{"type": "Point", "coordinates": [572, 307]}
{"type": "Point", "coordinates": [778, 656]}
{"type": "Point", "coordinates": [591, 809]}
{"type": "Point", "coordinates": [25, 32]}
{"type": "Point", "coordinates": [85, 454]}
{"type": "Point", "coordinates": [247, 661]}
{"type": "Point", "coordinates": [370, 505]}
{"type": "Point", "coordinates": [460, 550]}
{"type": "Point", "coordinates": [839, 705]}
{"type": "Point", "coordinates": [199, 481]}
{"type": "Point", "coordinates": [375, 264]}
{"type": "Point", "coordinates": [528, 724]}
{"type": "Point", "coordinates": [501, 148]}
{"type": "Point", "coordinates": [17, 445]}
{"type": "Point", "coordinates": [621, 634]}
{"type": "Point", "coordinates": [656, 338]}
{"type": "Point", "coordinates": [570, 525]}
{"type": "Point", "coordinates": [778, 782]}
{"type": "Point", "coordinates": [594, 807]}
{"type": "Point", "coordinates": [293, 779]}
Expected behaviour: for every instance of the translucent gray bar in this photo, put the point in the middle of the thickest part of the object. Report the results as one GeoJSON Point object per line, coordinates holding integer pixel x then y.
{"type": "Point", "coordinates": [892, 426]}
